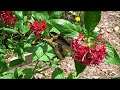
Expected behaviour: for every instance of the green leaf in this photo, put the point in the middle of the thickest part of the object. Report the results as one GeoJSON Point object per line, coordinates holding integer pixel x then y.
{"type": "Point", "coordinates": [31, 38]}
{"type": "Point", "coordinates": [25, 29]}
{"type": "Point", "coordinates": [27, 46]}
{"type": "Point", "coordinates": [38, 53]}
{"type": "Point", "coordinates": [20, 53]}
{"type": "Point", "coordinates": [1, 51]}
{"type": "Point", "coordinates": [91, 19]}
{"type": "Point", "coordinates": [58, 74]}
{"type": "Point", "coordinates": [16, 73]}
{"type": "Point", "coordinates": [8, 76]}
{"type": "Point", "coordinates": [28, 73]}
{"type": "Point", "coordinates": [4, 73]}
{"type": "Point", "coordinates": [64, 26]}
{"type": "Point", "coordinates": [20, 24]}
{"type": "Point", "coordinates": [40, 15]}
{"type": "Point", "coordinates": [10, 30]}
{"type": "Point", "coordinates": [27, 70]}
{"type": "Point", "coordinates": [25, 19]}
{"type": "Point", "coordinates": [79, 67]}
{"type": "Point", "coordinates": [25, 13]}
{"type": "Point", "coordinates": [55, 30]}
{"type": "Point", "coordinates": [112, 56]}
{"type": "Point", "coordinates": [19, 14]}
{"type": "Point", "coordinates": [71, 75]}
{"type": "Point", "coordinates": [43, 52]}
{"type": "Point", "coordinates": [56, 15]}
{"type": "Point", "coordinates": [71, 34]}
{"type": "Point", "coordinates": [15, 62]}
{"type": "Point", "coordinates": [45, 33]}
{"type": "Point", "coordinates": [62, 23]}
{"type": "Point", "coordinates": [3, 66]}
{"type": "Point", "coordinates": [11, 42]}
{"type": "Point", "coordinates": [21, 44]}
{"type": "Point", "coordinates": [22, 28]}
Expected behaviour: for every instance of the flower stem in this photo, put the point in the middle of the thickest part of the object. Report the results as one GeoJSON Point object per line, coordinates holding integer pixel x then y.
{"type": "Point", "coordinates": [36, 65]}
{"type": "Point", "coordinates": [43, 69]}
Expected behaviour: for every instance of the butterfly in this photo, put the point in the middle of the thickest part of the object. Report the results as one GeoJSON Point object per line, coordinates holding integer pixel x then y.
{"type": "Point", "coordinates": [59, 44]}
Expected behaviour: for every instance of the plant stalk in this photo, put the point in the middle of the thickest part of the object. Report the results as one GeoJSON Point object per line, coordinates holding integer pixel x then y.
{"type": "Point", "coordinates": [43, 69]}
{"type": "Point", "coordinates": [36, 65]}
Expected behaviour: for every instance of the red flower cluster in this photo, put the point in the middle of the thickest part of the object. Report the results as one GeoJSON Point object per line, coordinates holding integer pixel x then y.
{"type": "Point", "coordinates": [38, 27]}
{"type": "Point", "coordinates": [86, 54]}
{"type": "Point", "coordinates": [7, 17]}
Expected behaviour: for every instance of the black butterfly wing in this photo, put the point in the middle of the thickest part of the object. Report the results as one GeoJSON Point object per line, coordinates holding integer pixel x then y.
{"type": "Point", "coordinates": [56, 46]}
{"type": "Point", "coordinates": [64, 46]}
{"type": "Point", "coordinates": [59, 44]}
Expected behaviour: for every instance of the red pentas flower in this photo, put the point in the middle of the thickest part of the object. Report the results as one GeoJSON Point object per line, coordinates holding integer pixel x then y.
{"type": "Point", "coordinates": [87, 54]}
{"type": "Point", "coordinates": [80, 35]}
{"type": "Point", "coordinates": [99, 37]}
{"type": "Point", "coordinates": [7, 17]}
{"type": "Point", "coordinates": [37, 27]}
{"type": "Point", "coordinates": [43, 25]}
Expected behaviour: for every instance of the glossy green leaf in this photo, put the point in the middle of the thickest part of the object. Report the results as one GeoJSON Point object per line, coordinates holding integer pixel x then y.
{"type": "Point", "coordinates": [62, 23]}
{"type": "Point", "coordinates": [9, 30]}
{"type": "Point", "coordinates": [40, 15]}
{"type": "Point", "coordinates": [28, 73]}
{"type": "Point", "coordinates": [25, 18]}
{"type": "Point", "coordinates": [27, 47]}
{"type": "Point", "coordinates": [11, 42]}
{"type": "Point", "coordinates": [43, 52]}
{"type": "Point", "coordinates": [112, 56]}
{"type": "Point", "coordinates": [45, 33]}
{"type": "Point", "coordinates": [20, 53]}
{"type": "Point", "coordinates": [38, 53]}
{"type": "Point", "coordinates": [3, 66]}
{"type": "Point", "coordinates": [25, 13]}
{"type": "Point", "coordinates": [79, 67]}
{"type": "Point", "coordinates": [91, 19]}
{"type": "Point", "coordinates": [15, 62]}
{"type": "Point", "coordinates": [31, 38]}
{"type": "Point", "coordinates": [16, 73]}
{"type": "Point", "coordinates": [21, 44]}
{"type": "Point", "coordinates": [71, 75]}
{"type": "Point", "coordinates": [8, 76]}
{"type": "Point", "coordinates": [65, 27]}
{"type": "Point", "coordinates": [19, 14]}
{"type": "Point", "coordinates": [25, 29]}
{"type": "Point", "coordinates": [58, 74]}
{"type": "Point", "coordinates": [22, 56]}
{"type": "Point", "coordinates": [55, 30]}
{"type": "Point", "coordinates": [27, 70]}
{"type": "Point", "coordinates": [56, 15]}
{"type": "Point", "coordinates": [1, 50]}
{"type": "Point", "coordinates": [22, 28]}
{"type": "Point", "coordinates": [20, 24]}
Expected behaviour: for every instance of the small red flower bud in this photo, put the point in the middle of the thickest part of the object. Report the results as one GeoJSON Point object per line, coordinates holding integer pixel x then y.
{"type": "Point", "coordinates": [99, 37]}
{"type": "Point", "coordinates": [80, 35]}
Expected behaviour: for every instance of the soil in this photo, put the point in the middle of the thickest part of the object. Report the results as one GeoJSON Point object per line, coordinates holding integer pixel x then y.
{"type": "Point", "coordinates": [110, 26]}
